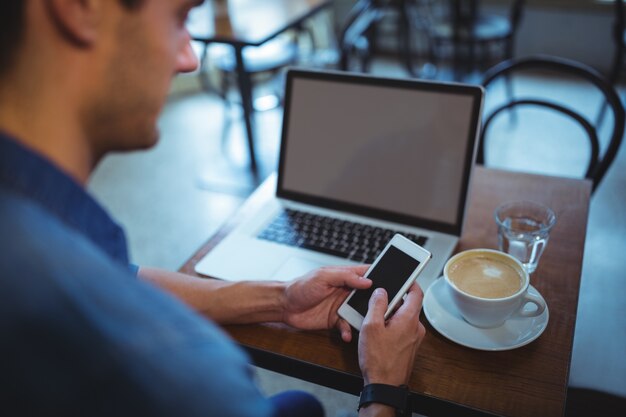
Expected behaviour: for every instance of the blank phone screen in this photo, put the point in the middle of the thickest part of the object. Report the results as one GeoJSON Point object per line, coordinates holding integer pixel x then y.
{"type": "Point", "coordinates": [390, 273]}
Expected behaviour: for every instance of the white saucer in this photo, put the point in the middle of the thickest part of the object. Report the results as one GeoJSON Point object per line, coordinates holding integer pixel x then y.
{"type": "Point", "coordinates": [446, 319]}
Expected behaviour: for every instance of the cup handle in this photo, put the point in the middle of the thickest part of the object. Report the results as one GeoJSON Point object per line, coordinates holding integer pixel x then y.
{"type": "Point", "coordinates": [534, 299]}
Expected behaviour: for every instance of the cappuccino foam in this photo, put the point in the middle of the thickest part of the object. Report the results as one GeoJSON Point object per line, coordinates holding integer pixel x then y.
{"type": "Point", "coordinates": [485, 277]}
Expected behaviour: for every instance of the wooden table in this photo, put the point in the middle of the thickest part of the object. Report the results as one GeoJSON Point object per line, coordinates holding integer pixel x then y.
{"type": "Point", "coordinates": [242, 23]}
{"type": "Point", "coordinates": [449, 379]}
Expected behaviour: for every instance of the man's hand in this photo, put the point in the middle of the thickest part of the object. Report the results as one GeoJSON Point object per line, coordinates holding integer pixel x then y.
{"type": "Point", "coordinates": [387, 349]}
{"type": "Point", "coordinates": [311, 302]}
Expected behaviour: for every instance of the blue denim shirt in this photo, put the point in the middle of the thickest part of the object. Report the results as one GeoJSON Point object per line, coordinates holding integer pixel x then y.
{"type": "Point", "coordinates": [79, 335]}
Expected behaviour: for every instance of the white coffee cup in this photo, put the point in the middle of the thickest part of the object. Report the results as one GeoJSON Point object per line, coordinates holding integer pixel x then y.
{"type": "Point", "coordinates": [483, 287]}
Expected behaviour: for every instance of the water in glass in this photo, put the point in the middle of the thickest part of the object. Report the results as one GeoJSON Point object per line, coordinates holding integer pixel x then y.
{"type": "Point", "coordinates": [523, 238]}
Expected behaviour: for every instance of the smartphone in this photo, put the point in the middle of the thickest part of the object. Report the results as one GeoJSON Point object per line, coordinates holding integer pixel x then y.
{"type": "Point", "coordinates": [395, 269]}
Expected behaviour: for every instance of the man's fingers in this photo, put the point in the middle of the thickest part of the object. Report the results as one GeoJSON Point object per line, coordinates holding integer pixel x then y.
{"type": "Point", "coordinates": [360, 269]}
{"type": "Point", "coordinates": [415, 295]}
{"type": "Point", "coordinates": [351, 277]}
{"type": "Point", "coordinates": [412, 302]}
{"type": "Point", "coordinates": [377, 306]}
{"type": "Point", "coordinates": [345, 330]}
{"type": "Point", "coordinates": [358, 282]}
{"type": "Point", "coordinates": [355, 277]}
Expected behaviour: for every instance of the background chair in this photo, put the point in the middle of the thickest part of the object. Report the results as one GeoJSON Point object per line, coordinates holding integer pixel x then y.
{"type": "Point", "coordinates": [459, 31]}
{"type": "Point", "coordinates": [359, 36]}
{"type": "Point", "coordinates": [355, 36]}
{"type": "Point", "coordinates": [582, 402]}
{"type": "Point", "coordinates": [598, 162]}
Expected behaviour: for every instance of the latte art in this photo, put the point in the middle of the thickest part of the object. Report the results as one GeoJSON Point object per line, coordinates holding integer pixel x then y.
{"type": "Point", "coordinates": [485, 277]}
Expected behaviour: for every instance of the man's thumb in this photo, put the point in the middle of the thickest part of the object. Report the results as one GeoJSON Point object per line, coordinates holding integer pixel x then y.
{"type": "Point", "coordinates": [378, 302]}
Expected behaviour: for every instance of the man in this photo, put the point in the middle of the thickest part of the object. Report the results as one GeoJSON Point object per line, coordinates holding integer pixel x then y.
{"type": "Point", "coordinates": [80, 334]}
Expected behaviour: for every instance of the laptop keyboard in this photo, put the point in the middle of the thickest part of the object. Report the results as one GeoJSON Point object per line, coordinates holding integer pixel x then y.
{"type": "Point", "coordinates": [355, 241]}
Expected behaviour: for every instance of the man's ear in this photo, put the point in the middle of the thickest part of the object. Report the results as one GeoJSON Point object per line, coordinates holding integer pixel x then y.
{"type": "Point", "coordinates": [79, 20]}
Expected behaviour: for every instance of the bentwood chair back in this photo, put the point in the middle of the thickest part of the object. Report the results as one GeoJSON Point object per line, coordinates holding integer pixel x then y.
{"type": "Point", "coordinates": [598, 162]}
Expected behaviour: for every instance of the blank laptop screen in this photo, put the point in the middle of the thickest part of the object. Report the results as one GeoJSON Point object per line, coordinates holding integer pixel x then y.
{"type": "Point", "coordinates": [401, 148]}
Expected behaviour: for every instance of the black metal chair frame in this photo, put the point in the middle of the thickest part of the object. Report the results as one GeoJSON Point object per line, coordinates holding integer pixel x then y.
{"type": "Point", "coordinates": [598, 166]}
{"type": "Point", "coordinates": [227, 66]}
{"type": "Point", "coordinates": [359, 32]}
{"type": "Point", "coordinates": [358, 36]}
{"type": "Point", "coordinates": [353, 37]}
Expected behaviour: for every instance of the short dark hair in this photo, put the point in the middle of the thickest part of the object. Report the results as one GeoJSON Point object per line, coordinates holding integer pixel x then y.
{"type": "Point", "coordinates": [12, 28]}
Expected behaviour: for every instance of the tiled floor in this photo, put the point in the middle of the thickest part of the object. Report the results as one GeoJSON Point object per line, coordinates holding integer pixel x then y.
{"type": "Point", "coordinates": [172, 198]}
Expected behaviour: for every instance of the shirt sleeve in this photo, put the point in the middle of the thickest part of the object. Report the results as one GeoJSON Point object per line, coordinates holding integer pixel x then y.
{"type": "Point", "coordinates": [134, 269]}
{"type": "Point", "coordinates": [87, 340]}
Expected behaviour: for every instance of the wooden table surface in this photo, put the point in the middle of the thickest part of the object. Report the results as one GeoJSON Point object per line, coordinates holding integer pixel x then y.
{"type": "Point", "coordinates": [449, 379]}
{"type": "Point", "coordinates": [249, 22]}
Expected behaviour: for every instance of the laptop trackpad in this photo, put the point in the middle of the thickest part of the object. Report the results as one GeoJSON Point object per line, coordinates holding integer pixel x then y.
{"type": "Point", "coordinates": [295, 267]}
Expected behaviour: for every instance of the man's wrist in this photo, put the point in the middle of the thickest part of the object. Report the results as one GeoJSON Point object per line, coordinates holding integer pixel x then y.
{"type": "Point", "coordinates": [396, 397]}
{"type": "Point", "coordinates": [276, 300]}
{"type": "Point", "coordinates": [377, 410]}
{"type": "Point", "coordinates": [283, 300]}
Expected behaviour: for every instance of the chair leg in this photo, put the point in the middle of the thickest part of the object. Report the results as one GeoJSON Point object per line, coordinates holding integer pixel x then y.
{"type": "Point", "coordinates": [366, 58]}
{"type": "Point", "coordinates": [344, 58]}
{"type": "Point", "coordinates": [601, 114]}
{"type": "Point", "coordinates": [432, 56]}
{"type": "Point", "coordinates": [508, 54]}
{"type": "Point", "coordinates": [471, 57]}
{"type": "Point", "coordinates": [616, 69]}
{"type": "Point", "coordinates": [509, 93]}
{"type": "Point", "coordinates": [372, 39]}
{"type": "Point", "coordinates": [456, 60]}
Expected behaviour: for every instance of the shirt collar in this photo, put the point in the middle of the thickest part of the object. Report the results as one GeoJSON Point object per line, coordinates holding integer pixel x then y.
{"type": "Point", "coordinates": [30, 175]}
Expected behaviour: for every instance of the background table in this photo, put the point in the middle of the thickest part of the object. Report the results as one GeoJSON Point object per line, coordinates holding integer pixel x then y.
{"type": "Point", "coordinates": [449, 379]}
{"type": "Point", "coordinates": [242, 23]}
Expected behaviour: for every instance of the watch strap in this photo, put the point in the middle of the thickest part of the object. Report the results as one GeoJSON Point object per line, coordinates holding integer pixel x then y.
{"type": "Point", "coordinates": [393, 396]}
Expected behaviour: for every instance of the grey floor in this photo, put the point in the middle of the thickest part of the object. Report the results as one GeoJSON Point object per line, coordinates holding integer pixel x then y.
{"type": "Point", "coordinates": [172, 198]}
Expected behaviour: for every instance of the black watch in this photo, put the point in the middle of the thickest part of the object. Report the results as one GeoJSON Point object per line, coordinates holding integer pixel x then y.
{"type": "Point", "coordinates": [397, 397]}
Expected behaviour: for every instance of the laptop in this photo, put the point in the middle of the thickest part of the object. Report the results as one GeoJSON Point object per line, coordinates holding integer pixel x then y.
{"type": "Point", "coordinates": [361, 158]}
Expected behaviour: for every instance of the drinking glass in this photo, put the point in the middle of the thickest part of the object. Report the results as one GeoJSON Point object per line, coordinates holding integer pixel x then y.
{"type": "Point", "coordinates": [523, 231]}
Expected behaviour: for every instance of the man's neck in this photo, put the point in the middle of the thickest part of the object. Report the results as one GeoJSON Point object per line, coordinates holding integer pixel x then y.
{"type": "Point", "coordinates": [44, 122]}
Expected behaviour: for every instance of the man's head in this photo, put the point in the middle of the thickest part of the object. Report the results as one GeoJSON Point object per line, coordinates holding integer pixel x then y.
{"type": "Point", "coordinates": [150, 46]}
{"type": "Point", "coordinates": [111, 60]}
